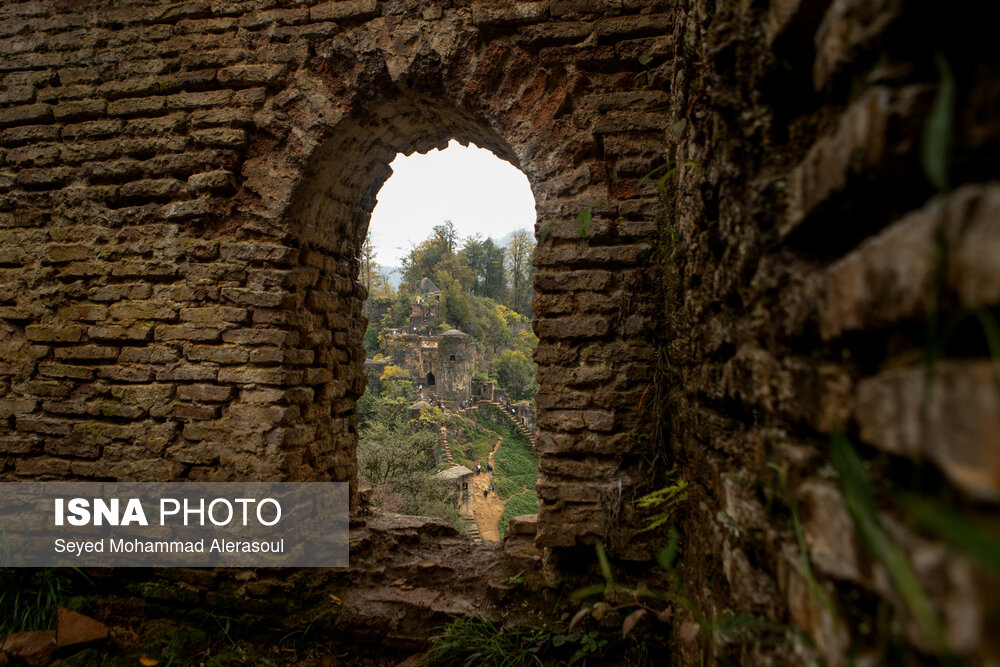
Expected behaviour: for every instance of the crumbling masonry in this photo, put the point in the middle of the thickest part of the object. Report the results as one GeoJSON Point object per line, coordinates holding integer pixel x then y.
{"type": "Point", "coordinates": [185, 187]}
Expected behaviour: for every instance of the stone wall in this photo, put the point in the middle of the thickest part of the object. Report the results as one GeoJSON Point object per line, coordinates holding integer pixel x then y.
{"type": "Point", "coordinates": [185, 189]}
{"type": "Point", "coordinates": [818, 280]}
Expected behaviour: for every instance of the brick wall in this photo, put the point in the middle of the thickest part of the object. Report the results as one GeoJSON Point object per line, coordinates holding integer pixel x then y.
{"type": "Point", "coordinates": [185, 188]}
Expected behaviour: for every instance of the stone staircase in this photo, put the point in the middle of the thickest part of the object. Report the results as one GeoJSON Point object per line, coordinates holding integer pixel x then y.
{"type": "Point", "coordinates": [443, 433]}
{"type": "Point", "coordinates": [471, 529]}
{"type": "Point", "coordinates": [531, 436]}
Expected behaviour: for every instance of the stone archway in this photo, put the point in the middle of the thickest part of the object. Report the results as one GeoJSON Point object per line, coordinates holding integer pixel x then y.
{"type": "Point", "coordinates": [208, 326]}
{"type": "Point", "coordinates": [475, 91]}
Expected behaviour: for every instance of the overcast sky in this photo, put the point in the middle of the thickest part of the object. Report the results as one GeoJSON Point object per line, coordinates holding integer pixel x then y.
{"type": "Point", "coordinates": [471, 186]}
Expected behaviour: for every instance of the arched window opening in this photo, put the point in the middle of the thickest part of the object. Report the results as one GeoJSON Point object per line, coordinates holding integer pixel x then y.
{"type": "Point", "coordinates": [447, 265]}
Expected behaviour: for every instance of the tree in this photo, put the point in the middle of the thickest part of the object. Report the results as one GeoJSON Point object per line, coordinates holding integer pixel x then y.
{"type": "Point", "coordinates": [486, 261]}
{"type": "Point", "coordinates": [519, 256]}
{"type": "Point", "coordinates": [435, 258]}
{"type": "Point", "coordinates": [516, 373]}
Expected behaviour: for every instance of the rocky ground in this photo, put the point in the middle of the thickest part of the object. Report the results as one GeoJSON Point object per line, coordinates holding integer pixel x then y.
{"type": "Point", "coordinates": [408, 577]}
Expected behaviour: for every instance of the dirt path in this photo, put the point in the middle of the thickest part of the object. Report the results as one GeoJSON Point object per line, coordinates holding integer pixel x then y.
{"type": "Point", "coordinates": [486, 511]}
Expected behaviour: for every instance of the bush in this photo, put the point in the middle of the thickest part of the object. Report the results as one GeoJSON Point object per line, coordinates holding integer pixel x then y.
{"type": "Point", "coordinates": [507, 487]}
{"type": "Point", "coordinates": [516, 460]}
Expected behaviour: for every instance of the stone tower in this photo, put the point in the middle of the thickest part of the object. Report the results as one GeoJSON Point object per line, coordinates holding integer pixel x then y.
{"type": "Point", "coordinates": [456, 354]}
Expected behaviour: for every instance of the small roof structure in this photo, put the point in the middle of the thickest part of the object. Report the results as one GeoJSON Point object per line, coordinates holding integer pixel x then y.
{"type": "Point", "coordinates": [427, 285]}
{"type": "Point", "coordinates": [454, 472]}
{"type": "Point", "coordinates": [454, 332]}
{"type": "Point", "coordinates": [420, 405]}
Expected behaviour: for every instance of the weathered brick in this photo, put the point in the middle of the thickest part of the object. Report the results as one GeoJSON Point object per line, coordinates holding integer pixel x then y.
{"type": "Point", "coordinates": [245, 76]}
{"type": "Point", "coordinates": [954, 422]}
{"type": "Point", "coordinates": [80, 110]}
{"type": "Point", "coordinates": [222, 354]}
{"type": "Point", "coordinates": [247, 297]}
{"type": "Point", "coordinates": [149, 354]}
{"type": "Point", "coordinates": [86, 312]}
{"type": "Point", "coordinates": [185, 210]}
{"type": "Point", "coordinates": [189, 411]}
{"type": "Point", "coordinates": [25, 115]}
{"type": "Point", "coordinates": [188, 331]}
{"type": "Point", "coordinates": [16, 406]}
{"type": "Point", "coordinates": [342, 10]}
{"type": "Point", "coordinates": [485, 14]}
{"type": "Point", "coordinates": [125, 373]}
{"type": "Point", "coordinates": [54, 333]}
{"type": "Point", "coordinates": [187, 373]}
{"type": "Point", "coordinates": [137, 106]}
{"type": "Point", "coordinates": [571, 327]}
{"type": "Point", "coordinates": [214, 314]}
{"type": "Point", "coordinates": [147, 309]}
{"type": "Point", "coordinates": [212, 181]}
{"type": "Point", "coordinates": [248, 375]}
{"type": "Point", "coordinates": [204, 392]}
{"type": "Point", "coordinates": [87, 353]}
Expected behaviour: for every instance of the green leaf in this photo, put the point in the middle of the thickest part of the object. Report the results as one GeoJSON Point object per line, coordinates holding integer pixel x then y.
{"type": "Point", "coordinates": [583, 220]}
{"type": "Point", "coordinates": [645, 59]}
{"type": "Point", "coordinates": [602, 559]}
{"type": "Point", "coordinates": [545, 232]}
{"type": "Point", "coordinates": [860, 502]}
{"type": "Point", "coordinates": [936, 147]}
{"type": "Point", "coordinates": [665, 558]}
{"type": "Point", "coordinates": [679, 126]}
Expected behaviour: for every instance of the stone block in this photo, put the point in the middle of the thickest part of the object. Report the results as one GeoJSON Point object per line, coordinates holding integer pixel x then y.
{"type": "Point", "coordinates": [187, 331]}
{"type": "Point", "coordinates": [149, 354]}
{"type": "Point", "coordinates": [87, 353]}
{"type": "Point", "coordinates": [86, 312]}
{"type": "Point", "coordinates": [344, 10]}
{"type": "Point", "coordinates": [187, 373]}
{"type": "Point", "coordinates": [848, 28]}
{"type": "Point", "coordinates": [204, 392]}
{"type": "Point", "coordinates": [54, 333]}
{"type": "Point", "coordinates": [245, 76]}
{"type": "Point", "coordinates": [80, 110]}
{"type": "Point", "coordinates": [185, 210]}
{"type": "Point", "coordinates": [953, 422]}
{"type": "Point", "coordinates": [572, 327]}
{"type": "Point", "coordinates": [125, 373]}
{"type": "Point", "coordinates": [135, 333]}
{"type": "Point", "coordinates": [213, 314]}
{"type": "Point", "coordinates": [494, 14]}
{"type": "Point", "coordinates": [221, 137]}
{"type": "Point", "coordinates": [197, 412]}
{"type": "Point", "coordinates": [222, 354]}
{"type": "Point", "coordinates": [146, 309]}
{"type": "Point", "coordinates": [25, 115]}
{"type": "Point", "coordinates": [52, 369]}
{"type": "Point", "coordinates": [16, 406]}
{"type": "Point", "coordinates": [564, 281]}
{"type": "Point", "coordinates": [219, 180]}
{"type": "Point", "coordinates": [250, 375]}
